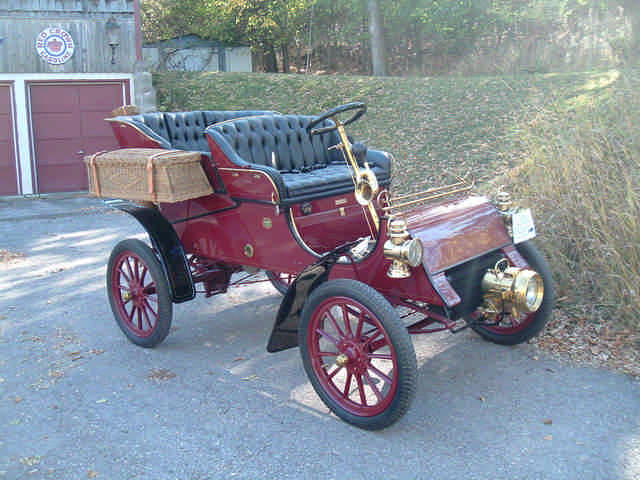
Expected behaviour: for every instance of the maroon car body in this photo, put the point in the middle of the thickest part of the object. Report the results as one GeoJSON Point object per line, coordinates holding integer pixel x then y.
{"type": "Point", "coordinates": [357, 293]}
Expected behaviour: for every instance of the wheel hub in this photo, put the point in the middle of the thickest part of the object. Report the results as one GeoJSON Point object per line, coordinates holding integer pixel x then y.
{"type": "Point", "coordinates": [352, 354]}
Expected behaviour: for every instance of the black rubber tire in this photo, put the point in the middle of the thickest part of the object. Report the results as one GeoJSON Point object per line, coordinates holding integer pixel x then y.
{"type": "Point", "coordinates": [399, 338]}
{"type": "Point", "coordinates": [164, 304]}
{"type": "Point", "coordinates": [277, 282]}
{"type": "Point", "coordinates": [541, 317]}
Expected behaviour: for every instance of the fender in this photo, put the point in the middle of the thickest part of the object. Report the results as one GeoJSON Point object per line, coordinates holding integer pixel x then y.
{"type": "Point", "coordinates": [285, 329]}
{"type": "Point", "coordinates": [166, 242]}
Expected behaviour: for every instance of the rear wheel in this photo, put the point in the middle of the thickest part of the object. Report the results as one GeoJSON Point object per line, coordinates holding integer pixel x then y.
{"type": "Point", "coordinates": [138, 293]}
{"type": "Point", "coordinates": [357, 354]}
{"type": "Point", "coordinates": [281, 281]}
{"type": "Point", "coordinates": [513, 330]}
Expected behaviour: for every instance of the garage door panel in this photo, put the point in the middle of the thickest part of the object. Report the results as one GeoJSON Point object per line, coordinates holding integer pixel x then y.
{"type": "Point", "coordinates": [107, 143]}
{"type": "Point", "coordinates": [55, 125]}
{"type": "Point", "coordinates": [57, 151]}
{"type": "Point", "coordinates": [94, 124]}
{"type": "Point", "coordinates": [52, 98]}
{"type": "Point", "coordinates": [100, 97]}
{"type": "Point", "coordinates": [5, 130]}
{"type": "Point", "coordinates": [8, 173]}
{"type": "Point", "coordinates": [61, 178]}
{"type": "Point", "coordinates": [67, 131]}
{"type": "Point", "coordinates": [5, 99]}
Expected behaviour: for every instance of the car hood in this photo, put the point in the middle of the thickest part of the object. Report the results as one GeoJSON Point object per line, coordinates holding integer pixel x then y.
{"type": "Point", "coordinates": [456, 232]}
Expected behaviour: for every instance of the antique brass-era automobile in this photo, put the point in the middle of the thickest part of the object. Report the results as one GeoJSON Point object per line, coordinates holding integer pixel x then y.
{"type": "Point", "coordinates": [360, 268]}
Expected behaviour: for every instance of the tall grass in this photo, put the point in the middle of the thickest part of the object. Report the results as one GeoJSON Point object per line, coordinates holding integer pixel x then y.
{"type": "Point", "coordinates": [569, 141]}
{"type": "Point", "coordinates": [582, 174]}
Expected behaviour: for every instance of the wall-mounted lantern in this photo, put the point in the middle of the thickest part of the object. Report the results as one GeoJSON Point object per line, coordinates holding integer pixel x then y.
{"type": "Point", "coordinates": [113, 37]}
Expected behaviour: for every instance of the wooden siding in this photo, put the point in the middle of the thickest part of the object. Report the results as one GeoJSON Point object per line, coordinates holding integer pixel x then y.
{"type": "Point", "coordinates": [37, 7]}
{"type": "Point", "coordinates": [21, 21]}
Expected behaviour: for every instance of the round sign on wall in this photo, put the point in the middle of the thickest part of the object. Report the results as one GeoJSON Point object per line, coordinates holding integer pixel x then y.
{"type": "Point", "coordinates": [55, 45]}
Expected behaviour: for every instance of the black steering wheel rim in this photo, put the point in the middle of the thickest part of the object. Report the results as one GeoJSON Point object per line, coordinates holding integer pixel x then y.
{"type": "Point", "coordinates": [360, 108]}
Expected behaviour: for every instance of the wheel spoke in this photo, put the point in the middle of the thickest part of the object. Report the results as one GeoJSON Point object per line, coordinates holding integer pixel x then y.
{"type": "Point", "coordinates": [363, 397]}
{"type": "Point", "coordinates": [139, 310]}
{"type": "Point", "coordinates": [136, 270]}
{"type": "Point", "coordinates": [128, 264]}
{"type": "Point", "coordinates": [372, 337]}
{"type": "Point", "coordinates": [325, 354]}
{"type": "Point", "coordinates": [149, 307]}
{"type": "Point", "coordinates": [143, 275]}
{"type": "Point", "coordinates": [382, 375]}
{"type": "Point", "coordinates": [335, 323]}
{"type": "Point", "coordinates": [123, 273]}
{"type": "Point", "coordinates": [327, 336]}
{"type": "Point", "coordinates": [130, 314]}
{"type": "Point", "coordinates": [347, 322]}
{"type": "Point", "coordinates": [373, 386]}
{"type": "Point", "coordinates": [380, 356]}
{"type": "Point", "coordinates": [360, 324]}
{"type": "Point", "coordinates": [146, 316]}
{"type": "Point", "coordinates": [347, 386]}
{"type": "Point", "coordinates": [378, 344]}
{"type": "Point", "coordinates": [333, 374]}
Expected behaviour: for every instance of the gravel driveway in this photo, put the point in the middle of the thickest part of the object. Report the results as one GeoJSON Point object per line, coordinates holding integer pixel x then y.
{"type": "Point", "coordinates": [77, 400]}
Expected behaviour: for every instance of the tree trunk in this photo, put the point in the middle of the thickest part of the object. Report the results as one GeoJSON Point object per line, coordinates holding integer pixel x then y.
{"type": "Point", "coordinates": [270, 59]}
{"type": "Point", "coordinates": [377, 40]}
{"type": "Point", "coordinates": [285, 58]}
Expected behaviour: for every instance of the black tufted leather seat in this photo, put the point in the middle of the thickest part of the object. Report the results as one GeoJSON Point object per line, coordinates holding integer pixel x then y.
{"type": "Point", "coordinates": [182, 130]}
{"type": "Point", "coordinates": [301, 165]}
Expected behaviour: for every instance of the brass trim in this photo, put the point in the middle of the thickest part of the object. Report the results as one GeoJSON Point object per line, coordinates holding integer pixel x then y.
{"type": "Point", "coordinates": [249, 251]}
{"type": "Point", "coordinates": [389, 203]}
{"type": "Point", "coordinates": [342, 212]}
{"type": "Point", "coordinates": [267, 223]}
{"type": "Point", "coordinates": [351, 161]}
{"type": "Point", "coordinates": [341, 201]}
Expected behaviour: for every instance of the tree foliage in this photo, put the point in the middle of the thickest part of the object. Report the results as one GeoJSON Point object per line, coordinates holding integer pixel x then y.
{"type": "Point", "coordinates": [414, 32]}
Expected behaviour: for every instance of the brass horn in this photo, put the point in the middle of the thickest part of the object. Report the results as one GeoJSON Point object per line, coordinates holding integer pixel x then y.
{"type": "Point", "coordinates": [366, 186]}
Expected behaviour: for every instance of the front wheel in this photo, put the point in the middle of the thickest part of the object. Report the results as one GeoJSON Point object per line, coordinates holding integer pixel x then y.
{"type": "Point", "coordinates": [357, 353]}
{"type": "Point", "coordinates": [513, 330]}
{"type": "Point", "coordinates": [138, 293]}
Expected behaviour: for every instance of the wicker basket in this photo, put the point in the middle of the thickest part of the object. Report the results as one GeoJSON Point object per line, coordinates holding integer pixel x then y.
{"type": "Point", "coordinates": [147, 174]}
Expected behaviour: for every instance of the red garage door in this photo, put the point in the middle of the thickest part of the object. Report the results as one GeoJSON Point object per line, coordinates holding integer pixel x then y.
{"type": "Point", "coordinates": [68, 123]}
{"type": "Point", "coordinates": [8, 176]}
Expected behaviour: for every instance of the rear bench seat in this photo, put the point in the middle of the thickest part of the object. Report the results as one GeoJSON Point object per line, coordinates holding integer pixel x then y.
{"type": "Point", "coordinates": [181, 130]}
{"type": "Point", "coordinates": [301, 165]}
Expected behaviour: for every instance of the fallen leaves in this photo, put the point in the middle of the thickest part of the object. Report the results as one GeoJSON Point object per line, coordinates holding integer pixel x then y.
{"type": "Point", "coordinates": [160, 374]}
{"type": "Point", "coordinates": [7, 256]}
{"type": "Point", "coordinates": [31, 460]}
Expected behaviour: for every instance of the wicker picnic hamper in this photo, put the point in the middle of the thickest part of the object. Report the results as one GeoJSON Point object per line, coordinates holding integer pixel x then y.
{"type": "Point", "coordinates": [147, 174]}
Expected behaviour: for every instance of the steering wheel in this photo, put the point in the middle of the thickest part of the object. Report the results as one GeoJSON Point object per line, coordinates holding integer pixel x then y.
{"type": "Point", "coordinates": [359, 107]}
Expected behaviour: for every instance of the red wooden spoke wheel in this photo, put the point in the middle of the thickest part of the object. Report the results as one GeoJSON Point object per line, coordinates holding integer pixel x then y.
{"type": "Point", "coordinates": [513, 330]}
{"type": "Point", "coordinates": [138, 293]}
{"type": "Point", "coordinates": [357, 354]}
{"type": "Point", "coordinates": [281, 281]}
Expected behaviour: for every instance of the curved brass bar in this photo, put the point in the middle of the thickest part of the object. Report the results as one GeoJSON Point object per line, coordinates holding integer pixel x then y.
{"type": "Point", "coordinates": [408, 200]}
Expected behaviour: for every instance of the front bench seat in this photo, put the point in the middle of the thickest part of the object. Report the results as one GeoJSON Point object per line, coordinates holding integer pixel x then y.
{"type": "Point", "coordinates": [301, 165]}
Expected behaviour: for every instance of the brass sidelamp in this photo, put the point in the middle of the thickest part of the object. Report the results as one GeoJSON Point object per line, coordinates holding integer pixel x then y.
{"type": "Point", "coordinates": [510, 289]}
{"type": "Point", "coordinates": [404, 251]}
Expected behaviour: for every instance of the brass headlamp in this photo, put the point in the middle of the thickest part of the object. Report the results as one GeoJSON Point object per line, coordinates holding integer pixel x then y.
{"type": "Point", "coordinates": [404, 251]}
{"type": "Point", "coordinates": [517, 289]}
